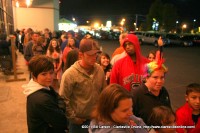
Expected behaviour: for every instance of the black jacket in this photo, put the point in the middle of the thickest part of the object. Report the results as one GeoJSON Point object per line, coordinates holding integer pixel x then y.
{"type": "Point", "coordinates": [144, 101]}
{"type": "Point", "coordinates": [46, 112]}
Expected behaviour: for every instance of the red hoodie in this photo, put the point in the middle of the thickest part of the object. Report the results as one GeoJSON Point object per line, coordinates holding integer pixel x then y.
{"type": "Point", "coordinates": [127, 73]}
{"type": "Point", "coordinates": [184, 118]}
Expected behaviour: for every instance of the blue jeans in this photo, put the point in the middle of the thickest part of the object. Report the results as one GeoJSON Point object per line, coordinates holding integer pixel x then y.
{"type": "Point", "coordinates": [74, 128]}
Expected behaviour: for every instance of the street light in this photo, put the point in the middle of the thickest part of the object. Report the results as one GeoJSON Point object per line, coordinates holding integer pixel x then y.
{"type": "Point", "coordinates": [74, 19]}
{"type": "Point", "coordinates": [135, 25]}
{"type": "Point", "coordinates": [194, 23]}
{"type": "Point", "coordinates": [96, 25]}
{"type": "Point", "coordinates": [122, 23]}
{"type": "Point", "coordinates": [184, 26]}
{"type": "Point", "coordinates": [176, 25]}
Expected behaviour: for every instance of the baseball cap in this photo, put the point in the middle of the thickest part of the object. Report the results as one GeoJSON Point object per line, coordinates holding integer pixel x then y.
{"type": "Point", "coordinates": [89, 46]}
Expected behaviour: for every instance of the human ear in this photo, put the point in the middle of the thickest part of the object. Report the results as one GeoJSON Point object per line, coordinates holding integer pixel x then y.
{"type": "Point", "coordinates": [186, 98]}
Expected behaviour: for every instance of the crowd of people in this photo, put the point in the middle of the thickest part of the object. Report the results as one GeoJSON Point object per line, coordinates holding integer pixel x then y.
{"type": "Point", "coordinates": [77, 88]}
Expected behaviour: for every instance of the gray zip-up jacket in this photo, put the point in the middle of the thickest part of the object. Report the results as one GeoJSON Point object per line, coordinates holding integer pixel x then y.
{"type": "Point", "coordinates": [81, 91]}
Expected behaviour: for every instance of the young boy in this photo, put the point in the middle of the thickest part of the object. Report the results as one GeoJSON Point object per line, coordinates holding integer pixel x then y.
{"type": "Point", "coordinates": [189, 114]}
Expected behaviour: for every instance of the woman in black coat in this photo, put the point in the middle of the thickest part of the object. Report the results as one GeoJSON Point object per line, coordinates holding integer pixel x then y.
{"type": "Point", "coordinates": [45, 108]}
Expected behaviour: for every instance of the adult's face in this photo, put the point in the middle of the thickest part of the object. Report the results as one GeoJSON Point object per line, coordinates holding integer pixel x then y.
{"type": "Point", "coordinates": [104, 61]}
{"type": "Point", "coordinates": [46, 35]}
{"type": "Point", "coordinates": [129, 48]}
{"type": "Point", "coordinates": [155, 81]}
{"type": "Point", "coordinates": [89, 60]}
{"type": "Point", "coordinates": [35, 37]}
{"type": "Point", "coordinates": [71, 42]}
{"type": "Point", "coordinates": [45, 78]}
{"type": "Point", "coordinates": [54, 44]}
{"type": "Point", "coordinates": [123, 112]}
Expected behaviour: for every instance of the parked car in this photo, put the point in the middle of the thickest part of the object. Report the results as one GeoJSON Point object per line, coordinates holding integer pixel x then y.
{"type": "Point", "coordinates": [152, 38]}
{"type": "Point", "coordinates": [187, 40]}
{"type": "Point", "coordinates": [114, 35]}
{"type": "Point", "coordinates": [139, 34]}
{"type": "Point", "coordinates": [173, 40]}
{"type": "Point", "coordinates": [196, 40]}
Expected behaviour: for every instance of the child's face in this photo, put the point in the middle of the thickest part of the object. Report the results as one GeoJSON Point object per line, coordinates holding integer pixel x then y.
{"type": "Point", "coordinates": [193, 99]}
{"type": "Point", "coordinates": [172, 122]}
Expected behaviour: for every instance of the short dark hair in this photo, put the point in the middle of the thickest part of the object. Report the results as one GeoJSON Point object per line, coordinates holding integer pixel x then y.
{"type": "Point", "coordinates": [108, 101]}
{"type": "Point", "coordinates": [40, 63]}
{"type": "Point", "coordinates": [193, 87]}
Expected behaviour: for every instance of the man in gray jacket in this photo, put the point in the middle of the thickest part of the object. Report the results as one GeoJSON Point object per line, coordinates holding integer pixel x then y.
{"type": "Point", "coordinates": [81, 86]}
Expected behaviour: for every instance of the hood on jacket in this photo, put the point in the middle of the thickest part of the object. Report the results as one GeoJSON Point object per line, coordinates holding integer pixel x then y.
{"type": "Point", "coordinates": [32, 87]}
{"type": "Point", "coordinates": [133, 39]}
{"type": "Point", "coordinates": [140, 60]}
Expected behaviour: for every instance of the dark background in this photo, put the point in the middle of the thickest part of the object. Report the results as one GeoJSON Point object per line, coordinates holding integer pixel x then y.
{"type": "Point", "coordinates": [83, 10]}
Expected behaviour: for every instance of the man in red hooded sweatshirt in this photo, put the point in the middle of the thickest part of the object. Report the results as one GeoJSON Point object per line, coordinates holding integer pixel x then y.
{"type": "Point", "coordinates": [129, 71]}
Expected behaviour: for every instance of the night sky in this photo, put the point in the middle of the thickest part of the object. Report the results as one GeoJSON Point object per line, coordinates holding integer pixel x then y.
{"type": "Point", "coordinates": [104, 9]}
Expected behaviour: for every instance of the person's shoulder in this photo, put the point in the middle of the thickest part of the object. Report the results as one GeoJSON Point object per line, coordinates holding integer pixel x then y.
{"type": "Point", "coordinates": [139, 90]}
{"type": "Point", "coordinates": [71, 70]}
{"type": "Point", "coordinates": [164, 90]}
{"type": "Point", "coordinates": [65, 49]}
{"type": "Point", "coordinates": [137, 93]}
{"type": "Point", "coordinates": [98, 69]}
{"type": "Point", "coordinates": [40, 96]}
{"type": "Point", "coordinates": [183, 108]}
{"type": "Point", "coordinates": [29, 43]}
{"type": "Point", "coordinates": [136, 119]}
{"type": "Point", "coordinates": [97, 66]}
{"type": "Point", "coordinates": [121, 61]}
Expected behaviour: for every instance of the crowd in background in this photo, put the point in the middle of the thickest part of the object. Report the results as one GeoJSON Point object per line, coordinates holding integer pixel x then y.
{"type": "Point", "coordinates": [74, 87]}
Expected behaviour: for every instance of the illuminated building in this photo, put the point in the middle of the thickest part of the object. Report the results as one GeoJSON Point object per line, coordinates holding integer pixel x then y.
{"type": "Point", "coordinates": [35, 14]}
